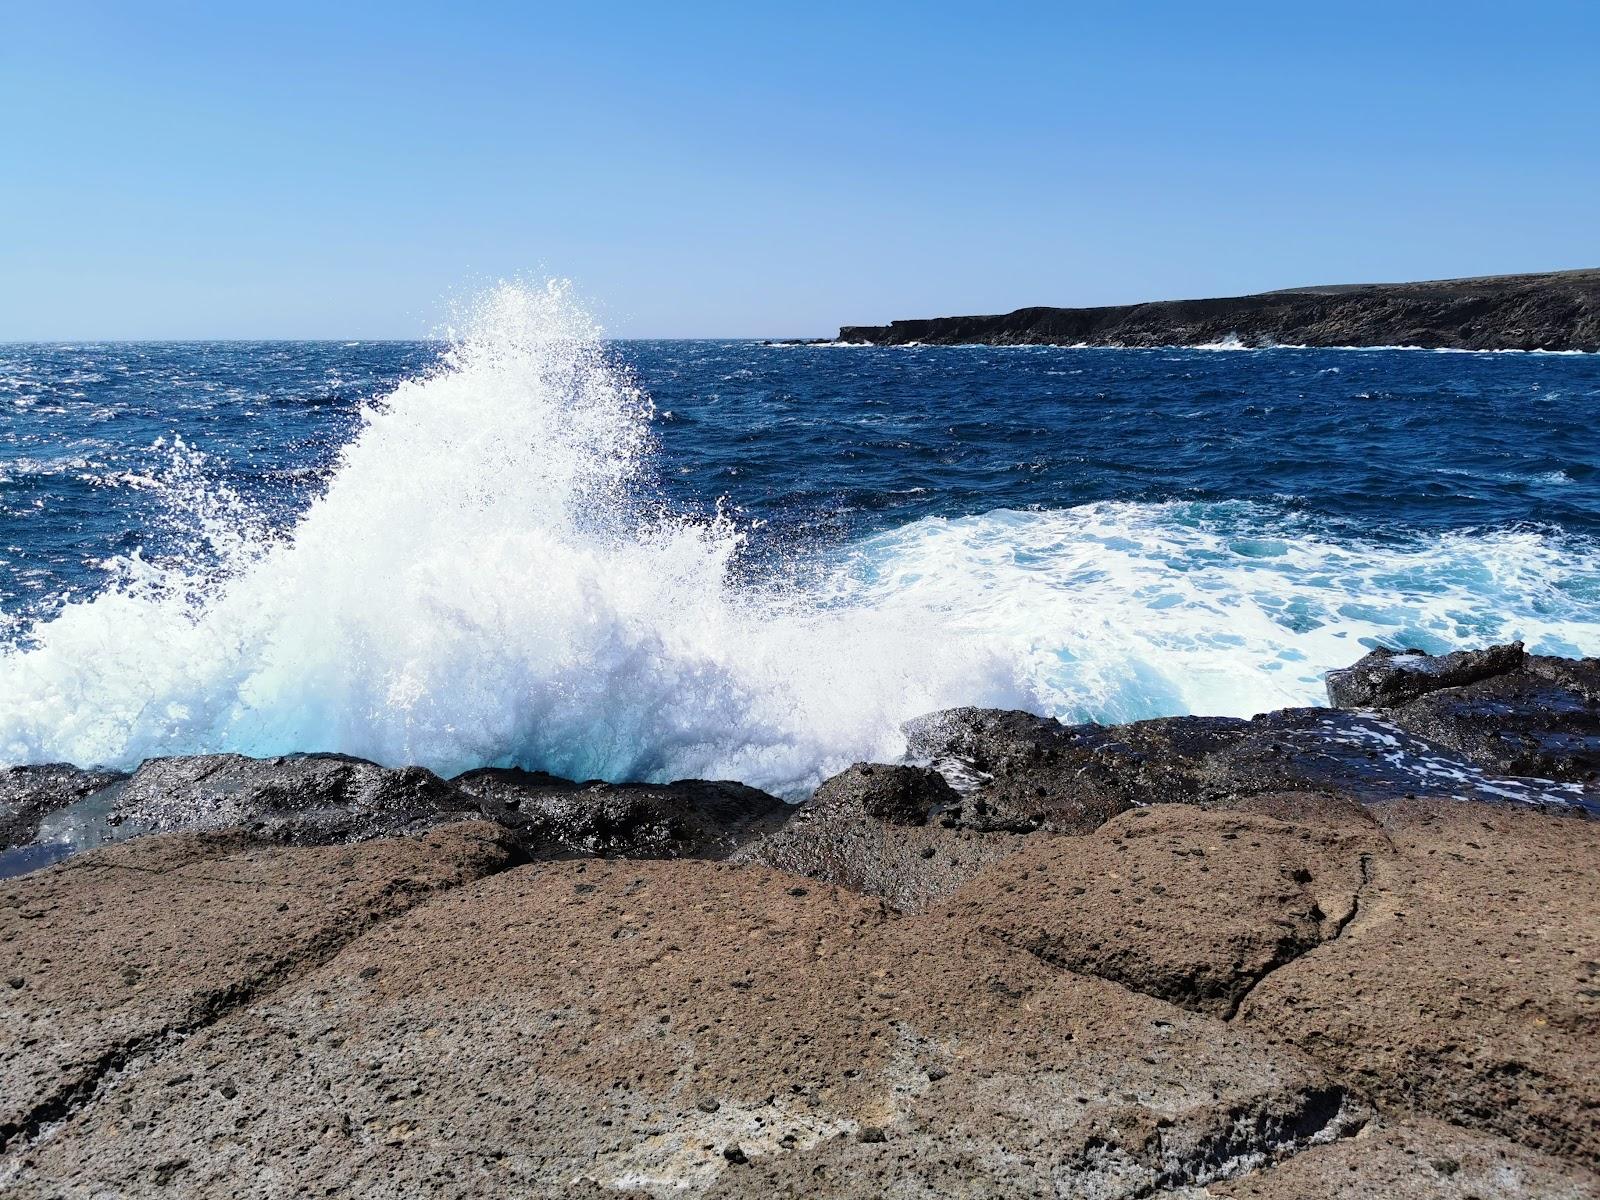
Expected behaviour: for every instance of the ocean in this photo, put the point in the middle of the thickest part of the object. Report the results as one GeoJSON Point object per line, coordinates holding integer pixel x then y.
{"type": "Point", "coordinates": [527, 545]}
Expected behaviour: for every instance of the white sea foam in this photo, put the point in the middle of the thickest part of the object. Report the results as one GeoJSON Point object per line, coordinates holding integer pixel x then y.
{"type": "Point", "coordinates": [1120, 611]}
{"type": "Point", "coordinates": [484, 581]}
{"type": "Point", "coordinates": [1230, 342]}
{"type": "Point", "coordinates": [480, 584]}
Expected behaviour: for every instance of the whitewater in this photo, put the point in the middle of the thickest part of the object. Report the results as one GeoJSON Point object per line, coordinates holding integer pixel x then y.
{"type": "Point", "coordinates": [493, 569]}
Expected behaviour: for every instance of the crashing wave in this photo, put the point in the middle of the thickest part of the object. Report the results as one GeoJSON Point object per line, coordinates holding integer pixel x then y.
{"type": "Point", "coordinates": [489, 579]}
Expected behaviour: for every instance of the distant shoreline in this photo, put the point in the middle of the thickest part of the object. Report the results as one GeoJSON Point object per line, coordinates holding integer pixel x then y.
{"type": "Point", "coordinates": [1555, 311]}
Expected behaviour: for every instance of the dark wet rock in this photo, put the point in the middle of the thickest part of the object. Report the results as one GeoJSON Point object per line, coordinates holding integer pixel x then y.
{"type": "Point", "coordinates": [1389, 678]}
{"type": "Point", "coordinates": [1581, 675]}
{"type": "Point", "coordinates": [1364, 758]}
{"type": "Point", "coordinates": [692, 818]}
{"type": "Point", "coordinates": [29, 794]}
{"type": "Point", "coordinates": [1024, 773]}
{"type": "Point", "coordinates": [1514, 724]}
{"type": "Point", "coordinates": [900, 795]}
{"type": "Point", "coordinates": [1183, 904]}
{"type": "Point", "coordinates": [1559, 310]}
{"type": "Point", "coordinates": [1501, 709]}
{"type": "Point", "coordinates": [882, 830]}
{"type": "Point", "coordinates": [301, 799]}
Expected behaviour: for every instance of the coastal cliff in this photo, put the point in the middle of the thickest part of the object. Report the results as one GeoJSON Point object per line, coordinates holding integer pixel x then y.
{"type": "Point", "coordinates": [1346, 951]}
{"type": "Point", "coordinates": [1559, 310]}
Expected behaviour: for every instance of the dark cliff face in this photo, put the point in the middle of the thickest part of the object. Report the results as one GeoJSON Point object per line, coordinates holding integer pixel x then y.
{"type": "Point", "coordinates": [1556, 311]}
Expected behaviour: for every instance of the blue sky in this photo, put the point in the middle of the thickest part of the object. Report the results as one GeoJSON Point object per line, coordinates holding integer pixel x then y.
{"type": "Point", "coordinates": [345, 170]}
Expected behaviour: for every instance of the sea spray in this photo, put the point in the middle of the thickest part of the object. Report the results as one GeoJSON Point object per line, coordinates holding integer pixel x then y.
{"type": "Point", "coordinates": [485, 580]}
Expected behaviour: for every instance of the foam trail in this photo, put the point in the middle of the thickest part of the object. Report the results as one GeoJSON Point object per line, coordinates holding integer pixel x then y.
{"type": "Point", "coordinates": [1123, 611]}
{"type": "Point", "coordinates": [486, 580]}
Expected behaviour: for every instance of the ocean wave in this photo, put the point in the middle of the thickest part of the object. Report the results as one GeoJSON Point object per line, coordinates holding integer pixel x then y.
{"type": "Point", "coordinates": [1121, 611]}
{"type": "Point", "coordinates": [486, 579]}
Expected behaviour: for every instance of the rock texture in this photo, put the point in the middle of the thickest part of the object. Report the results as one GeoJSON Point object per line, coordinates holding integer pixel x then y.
{"type": "Point", "coordinates": [1503, 709]}
{"type": "Point", "coordinates": [688, 1028]}
{"type": "Point", "coordinates": [1555, 311]}
{"type": "Point", "coordinates": [1414, 1159]}
{"type": "Point", "coordinates": [1467, 985]}
{"type": "Point", "coordinates": [300, 799]}
{"type": "Point", "coordinates": [29, 794]}
{"type": "Point", "coordinates": [692, 818]}
{"type": "Point", "coordinates": [119, 953]}
{"type": "Point", "coordinates": [1023, 773]}
{"type": "Point", "coordinates": [1189, 906]}
{"type": "Point", "coordinates": [889, 831]}
{"type": "Point", "coordinates": [320, 799]}
{"type": "Point", "coordinates": [1321, 952]}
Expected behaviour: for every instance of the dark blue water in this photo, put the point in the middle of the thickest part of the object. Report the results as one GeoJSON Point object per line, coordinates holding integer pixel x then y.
{"type": "Point", "coordinates": [1126, 532]}
{"type": "Point", "coordinates": [831, 442]}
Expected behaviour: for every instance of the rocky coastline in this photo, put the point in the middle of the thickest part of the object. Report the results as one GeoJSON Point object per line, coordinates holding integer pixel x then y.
{"type": "Point", "coordinates": [1342, 951]}
{"type": "Point", "coordinates": [1554, 311]}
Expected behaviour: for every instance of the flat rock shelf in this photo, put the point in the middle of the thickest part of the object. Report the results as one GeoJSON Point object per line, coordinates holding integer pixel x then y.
{"type": "Point", "coordinates": [1346, 951]}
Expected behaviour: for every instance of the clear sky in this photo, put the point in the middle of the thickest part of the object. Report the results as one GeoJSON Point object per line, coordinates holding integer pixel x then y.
{"type": "Point", "coordinates": [231, 169]}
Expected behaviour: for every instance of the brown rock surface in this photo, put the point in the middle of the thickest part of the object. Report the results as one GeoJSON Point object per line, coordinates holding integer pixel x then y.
{"type": "Point", "coordinates": [1272, 958]}
{"type": "Point", "coordinates": [1467, 985]}
{"type": "Point", "coordinates": [121, 951]}
{"type": "Point", "coordinates": [688, 1028]}
{"type": "Point", "coordinates": [1187, 905]}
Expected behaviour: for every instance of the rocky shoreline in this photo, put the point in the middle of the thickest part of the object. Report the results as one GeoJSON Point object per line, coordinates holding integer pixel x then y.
{"type": "Point", "coordinates": [1555, 311]}
{"type": "Point", "coordinates": [1336, 951]}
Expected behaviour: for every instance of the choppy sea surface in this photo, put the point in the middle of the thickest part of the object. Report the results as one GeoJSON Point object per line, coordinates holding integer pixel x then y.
{"type": "Point", "coordinates": [527, 545]}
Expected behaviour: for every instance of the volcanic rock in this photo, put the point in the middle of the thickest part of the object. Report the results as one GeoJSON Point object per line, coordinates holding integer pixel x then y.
{"type": "Point", "coordinates": [1467, 983]}
{"type": "Point", "coordinates": [300, 799]}
{"type": "Point", "coordinates": [1318, 952]}
{"type": "Point", "coordinates": [885, 831]}
{"type": "Point", "coordinates": [554, 1028]}
{"type": "Point", "coordinates": [29, 794]}
{"type": "Point", "coordinates": [1025, 773]}
{"type": "Point", "coordinates": [692, 818]}
{"type": "Point", "coordinates": [113, 956]}
{"type": "Point", "coordinates": [1389, 678]}
{"type": "Point", "coordinates": [1501, 709]}
{"type": "Point", "coordinates": [1414, 1159]}
{"type": "Point", "coordinates": [1186, 905]}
